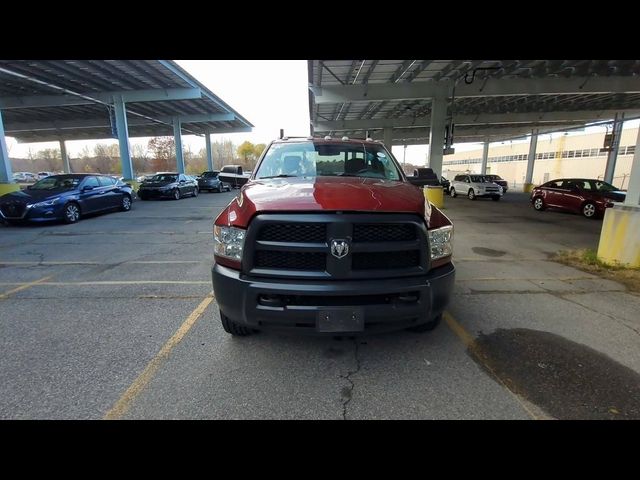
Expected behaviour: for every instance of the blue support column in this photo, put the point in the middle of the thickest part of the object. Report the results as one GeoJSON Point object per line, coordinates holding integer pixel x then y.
{"type": "Point", "coordinates": [207, 140]}
{"type": "Point", "coordinates": [65, 157]}
{"type": "Point", "coordinates": [123, 138]}
{"type": "Point", "coordinates": [6, 175]}
{"type": "Point", "coordinates": [177, 135]}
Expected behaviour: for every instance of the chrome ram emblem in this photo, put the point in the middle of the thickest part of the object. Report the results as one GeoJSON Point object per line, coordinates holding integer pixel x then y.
{"type": "Point", "coordinates": [339, 248]}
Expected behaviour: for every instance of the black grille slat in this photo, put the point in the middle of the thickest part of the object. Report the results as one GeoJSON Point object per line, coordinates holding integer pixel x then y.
{"type": "Point", "coordinates": [384, 232]}
{"type": "Point", "coordinates": [385, 260]}
{"type": "Point", "coordinates": [294, 233]}
{"type": "Point", "coordinates": [314, 261]}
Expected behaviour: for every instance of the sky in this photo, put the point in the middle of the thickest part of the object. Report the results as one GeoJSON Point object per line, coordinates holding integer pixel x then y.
{"type": "Point", "coordinates": [270, 94]}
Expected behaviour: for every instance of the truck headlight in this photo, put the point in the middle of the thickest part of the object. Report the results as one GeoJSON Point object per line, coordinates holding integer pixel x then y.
{"type": "Point", "coordinates": [228, 242]}
{"type": "Point", "coordinates": [441, 242]}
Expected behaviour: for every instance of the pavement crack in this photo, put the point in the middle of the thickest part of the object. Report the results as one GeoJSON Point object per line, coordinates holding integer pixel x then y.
{"type": "Point", "coordinates": [347, 392]}
{"type": "Point", "coordinates": [612, 317]}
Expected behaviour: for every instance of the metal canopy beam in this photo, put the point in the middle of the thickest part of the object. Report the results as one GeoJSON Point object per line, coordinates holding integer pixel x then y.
{"type": "Point", "coordinates": [71, 124]}
{"type": "Point", "coordinates": [482, 118]}
{"type": "Point", "coordinates": [103, 122]}
{"type": "Point", "coordinates": [150, 95]}
{"type": "Point", "coordinates": [489, 87]}
{"type": "Point", "coordinates": [481, 132]}
{"type": "Point", "coordinates": [229, 130]}
{"type": "Point", "coordinates": [201, 118]}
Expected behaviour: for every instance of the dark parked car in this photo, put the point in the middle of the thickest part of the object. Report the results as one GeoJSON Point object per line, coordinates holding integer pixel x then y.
{"type": "Point", "coordinates": [586, 196]}
{"type": "Point", "coordinates": [423, 177]}
{"type": "Point", "coordinates": [66, 197]}
{"type": "Point", "coordinates": [168, 185]}
{"type": "Point", "coordinates": [210, 181]}
{"type": "Point", "coordinates": [446, 184]}
{"type": "Point", "coordinates": [499, 180]}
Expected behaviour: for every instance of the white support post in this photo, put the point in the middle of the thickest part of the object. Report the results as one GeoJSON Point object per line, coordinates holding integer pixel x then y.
{"type": "Point", "coordinates": [633, 190]}
{"type": "Point", "coordinates": [612, 157]}
{"type": "Point", "coordinates": [485, 157]}
{"type": "Point", "coordinates": [436, 133]}
{"type": "Point", "coordinates": [6, 175]}
{"type": "Point", "coordinates": [531, 160]}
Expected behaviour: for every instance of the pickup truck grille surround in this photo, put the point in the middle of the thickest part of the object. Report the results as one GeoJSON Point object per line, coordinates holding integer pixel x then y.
{"type": "Point", "coordinates": [297, 245]}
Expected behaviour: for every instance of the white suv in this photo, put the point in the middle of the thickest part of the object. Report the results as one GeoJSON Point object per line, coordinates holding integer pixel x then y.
{"type": "Point", "coordinates": [474, 186]}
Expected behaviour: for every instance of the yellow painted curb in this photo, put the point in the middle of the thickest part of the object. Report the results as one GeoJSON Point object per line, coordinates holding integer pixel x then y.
{"type": "Point", "coordinates": [435, 195]}
{"type": "Point", "coordinates": [8, 188]}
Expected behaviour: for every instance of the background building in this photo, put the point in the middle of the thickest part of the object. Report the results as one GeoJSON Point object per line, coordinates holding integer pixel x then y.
{"type": "Point", "coordinates": [566, 155]}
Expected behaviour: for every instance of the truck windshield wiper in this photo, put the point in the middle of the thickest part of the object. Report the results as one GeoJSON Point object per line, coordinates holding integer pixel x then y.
{"type": "Point", "coordinates": [282, 175]}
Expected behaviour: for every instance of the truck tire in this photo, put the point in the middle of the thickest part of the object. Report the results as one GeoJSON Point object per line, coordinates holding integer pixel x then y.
{"type": "Point", "coordinates": [426, 327]}
{"type": "Point", "coordinates": [233, 328]}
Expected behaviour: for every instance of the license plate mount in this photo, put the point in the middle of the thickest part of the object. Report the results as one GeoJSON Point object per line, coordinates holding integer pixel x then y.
{"type": "Point", "coordinates": [340, 320]}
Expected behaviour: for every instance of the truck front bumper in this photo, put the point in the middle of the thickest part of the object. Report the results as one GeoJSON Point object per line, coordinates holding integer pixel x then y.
{"type": "Point", "coordinates": [296, 305]}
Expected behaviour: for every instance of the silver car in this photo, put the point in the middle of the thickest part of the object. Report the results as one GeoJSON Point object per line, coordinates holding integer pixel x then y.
{"type": "Point", "coordinates": [474, 186]}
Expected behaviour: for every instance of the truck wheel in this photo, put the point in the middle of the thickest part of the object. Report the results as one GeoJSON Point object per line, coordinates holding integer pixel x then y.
{"type": "Point", "coordinates": [471, 194]}
{"type": "Point", "coordinates": [233, 328]}
{"type": "Point", "coordinates": [452, 192]}
{"type": "Point", "coordinates": [426, 327]}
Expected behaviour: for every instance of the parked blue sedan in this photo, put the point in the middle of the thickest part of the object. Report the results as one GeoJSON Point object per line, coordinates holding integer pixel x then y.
{"type": "Point", "coordinates": [66, 197]}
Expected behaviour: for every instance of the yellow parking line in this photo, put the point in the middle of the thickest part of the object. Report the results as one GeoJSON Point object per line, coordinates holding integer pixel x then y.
{"type": "Point", "coordinates": [23, 287]}
{"type": "Point", "coordinates": [469, 341]}
{"type": "Point", "coordinates": [124, 403]}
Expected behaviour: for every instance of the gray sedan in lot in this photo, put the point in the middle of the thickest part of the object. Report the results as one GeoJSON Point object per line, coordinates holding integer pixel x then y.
{"type": "Point", "coordinates": [210, 181]}
{"type": "Point", "coordinates": [168, 185]}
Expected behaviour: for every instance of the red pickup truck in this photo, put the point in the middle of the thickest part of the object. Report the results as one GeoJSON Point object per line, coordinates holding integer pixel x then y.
{"type": "Point", "coordinates": [329, 237]}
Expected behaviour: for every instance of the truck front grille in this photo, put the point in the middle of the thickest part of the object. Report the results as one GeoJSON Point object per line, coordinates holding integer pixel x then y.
{"type": "Point", "coordinates": [386, 260]}
{"type": "Point", "coordinates": [313, 261]}
{"type": "Point", "coordinates": [294, 233]}
{"type": "Point", "coordinates": [298, 245]}
{"type": "Point", "coordinates": [385, 232]}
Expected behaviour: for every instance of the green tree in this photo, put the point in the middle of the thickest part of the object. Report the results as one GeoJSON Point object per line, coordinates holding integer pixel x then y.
{"type": "Point", "coordinates": [246, 150]}
{"type": "Point", "coordinates": [258, 149]}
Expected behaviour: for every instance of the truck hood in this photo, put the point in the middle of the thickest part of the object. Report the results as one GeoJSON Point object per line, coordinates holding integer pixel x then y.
{"type": "Point", "coordinates": [310, 194]}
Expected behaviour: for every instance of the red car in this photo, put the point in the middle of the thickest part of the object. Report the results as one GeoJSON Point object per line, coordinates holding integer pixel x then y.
{"type": "Point", "coordinates": [586, 196]}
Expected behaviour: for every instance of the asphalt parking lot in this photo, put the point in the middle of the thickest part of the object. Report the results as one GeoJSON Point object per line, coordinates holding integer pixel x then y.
{"type": "Point", "coordinates": [113, 317]}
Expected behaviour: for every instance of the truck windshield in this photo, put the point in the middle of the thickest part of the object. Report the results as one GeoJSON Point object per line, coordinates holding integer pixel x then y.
{"type": "Point", "coordinates": [309, 159]}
